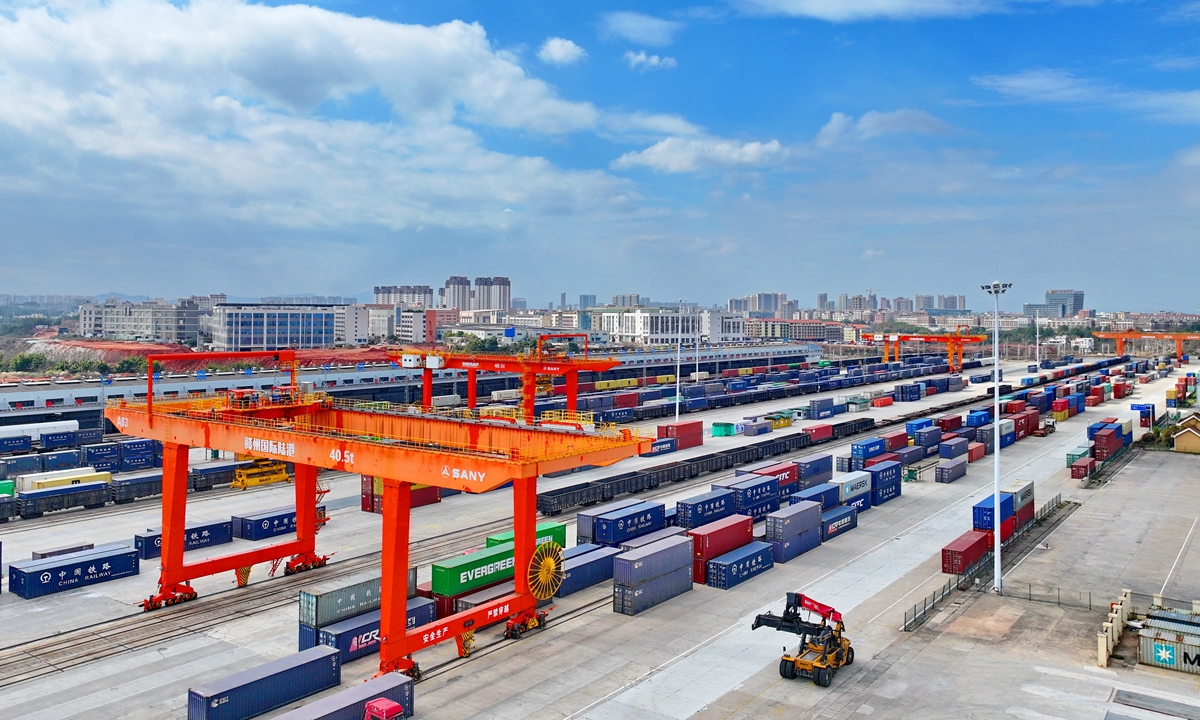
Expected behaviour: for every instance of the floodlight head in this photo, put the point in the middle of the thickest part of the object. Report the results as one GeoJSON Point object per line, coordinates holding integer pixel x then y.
{"type": "Point", "coordinates": [996, 288]}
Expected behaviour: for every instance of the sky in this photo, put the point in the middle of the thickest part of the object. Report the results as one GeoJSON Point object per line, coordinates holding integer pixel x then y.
{"type": "Point", "coordinates": [702, 151]}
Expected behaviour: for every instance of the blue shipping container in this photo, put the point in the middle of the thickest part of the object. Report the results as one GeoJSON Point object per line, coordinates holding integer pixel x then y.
{"type": "Point", "coordinates": [633, 600]}
{"type": "Point", "coordinates": [754, 491]}
{"type": "Point", "coordinates": [860, 502]}
{"type": "Point", "coordinates": [793, 547]}
{"type": "Point", "coordinates": [816, 464]}
{"type": "Point", "coordinates": [359, 636]}
{"type": "Point", "coordinates": [60, 460]}
{"type": "Point", "coordinates": [953, 448]}
{"type": "Point", "coordinates": [739, 565]}
{"type": "Point", "coordinates": [982, 512]}
{"type": "Point", "coordinates": [868, 448]}
{"type": "Point", "coordinates": [660, 447]}
{"type": "Point", "coordinates": [20, 443]}
{"type": "Point", "coordinates": [706, 508]}
{"type": "Point", "coordinates": [22, 465]}
{"type": "Point", "coordinates": [928, 436]}
{"type": "Point", "coordinates": [838, 521]}
{"type": "Point", "coordinates": [196, 535]}
{"type": "Point", "coordinates": [585, 520]}
{"type": "Point", "coordinates": [35, 578]}
{"type": "Point", "coordinates": [640, 566]}
{"type": "Point", "coordinates": [266, 524]}
{"type": "Point", "coordinates": [50, 441]}
{"type": "Point", "coordinates": [586, 570]}
{"type": "Point", "coordinates": [827, 494]}
{"type": "Point", "coordinates": [884, 473]}
{"type": "Point", "coordinates": [266, 687]}
{"type": "Point", "coordinates": [912, 426]}
{"type": "Point", "coordinates": [616, 527]}
{"type": "Point", "coordinates": [761, 510]}
{"type": "Point", "coordinates": [882, 493]}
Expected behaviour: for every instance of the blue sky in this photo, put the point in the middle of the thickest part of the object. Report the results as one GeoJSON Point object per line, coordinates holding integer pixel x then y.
{"type": "Point", "coordinates": [702, 151]}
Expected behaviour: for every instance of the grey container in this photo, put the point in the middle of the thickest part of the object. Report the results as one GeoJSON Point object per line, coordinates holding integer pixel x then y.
{"type": "Point", "coordinates": [266, 687]}
{"type": "Point", "coordinates": [648, 538]}
{"type": "Point", "coordinates": [1170, 650]}
{"type": "Point", "coordinates": [788, 522]}
{"type": "Point", "coordinates": [322, 608]}
{"type": "Point", "coordinates": [586, 518]}
{"type": "Point", "coordinates": [352, 704]}
{"type": "Point", "coordinates": [640, 566]}
{"type": "Point", "coordinates": [633, 600]}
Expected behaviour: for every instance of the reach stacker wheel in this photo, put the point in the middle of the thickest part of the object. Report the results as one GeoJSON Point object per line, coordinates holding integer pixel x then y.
{"type": "Point", "coordinates": [787, 669]}
{"type": "Point", "coordinates": [849, 656]}
{"type": "Point", "coordinates": [823, 677]}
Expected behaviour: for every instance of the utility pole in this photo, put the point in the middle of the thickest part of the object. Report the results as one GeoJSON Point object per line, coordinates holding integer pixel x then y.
{"type": "Point", "coordinates": [996, 289]}
{"type": "Point", "coordinates": [678, 353]}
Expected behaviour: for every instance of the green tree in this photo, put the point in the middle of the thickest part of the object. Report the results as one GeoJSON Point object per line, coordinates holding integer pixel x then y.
{"type": "Point", "coordinates": [130, 364]}
{"type": "Point", "coordinates": [28, 362]}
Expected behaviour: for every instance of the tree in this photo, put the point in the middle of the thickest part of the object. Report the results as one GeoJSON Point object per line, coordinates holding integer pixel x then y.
{"type": "Point", "coordinates": [130, 364]}
{"type": "Point", "coordinates": [28, 362]}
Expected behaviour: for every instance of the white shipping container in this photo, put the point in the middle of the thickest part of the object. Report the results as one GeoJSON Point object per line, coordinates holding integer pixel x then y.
{"type": "Point", "coordinates": [1022, 492]}
{"type": "Point", "coordinates": [31, 481]}
{"type": "Point", "coordinates": [1170, 650]}
{"type": "Point", "coordinates": [35, 430]}
{"type": "Point", "coordinates": [852, 484]}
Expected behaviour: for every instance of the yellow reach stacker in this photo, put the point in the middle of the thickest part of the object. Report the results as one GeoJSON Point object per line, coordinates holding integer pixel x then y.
{"type": "Point", "coordinates": [823, 648]}
{"type": "Point", "coordinates": [260, 472]}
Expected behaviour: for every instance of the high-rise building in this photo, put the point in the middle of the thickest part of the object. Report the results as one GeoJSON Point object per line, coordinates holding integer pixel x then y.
{"type": "Point", "coordinates": [962, 302]}
{"type": "Point", "coordinates": [902, 304]}
{"type": "Point", "coordinates": [491, 293]}
{"type": "Point", "coordinates": [738, 304]}
{"type": "Point", "coordinates": [923, 302]}
{"type": "Point", "coordinates": [456, 293]}
{"type": "Point", "coordinates": [885, 304]}
{"type": "Point", "coordinates": [627, 300]}
{"type": "Point", "coordinates": [562, 301]}
{"type": "Point", "coordinates": [858, 302]}
{"type": "Point", "coordinates": [1072, 299]}
{"type": "Point", "coordinates": [843, 302]}
{"type": "Point", "coordinates": [519, 304]}
{"type": "Point", "coordinates": [948, 302]}
{"type": "Point", "coordinates": [587, 301]}
{"type": "Point", "coordinates": [420, 296]}
{"type": "Point", "coordinates": [822, 300]}
{"type": "Point", "coordinates": [872, 301]}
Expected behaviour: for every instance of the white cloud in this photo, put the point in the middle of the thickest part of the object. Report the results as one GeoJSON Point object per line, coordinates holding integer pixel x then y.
{"type": "Point", "coordinates": [641, 61]}
{"type": "Point", "coordinates": [852, 10]}
{"type": "Point", "coordinates": [1061, 87]}
{"type": "Point", "coordinates": [874, 124]}
{"type": "Point", "coordinates": [679, 155]}
{"type": "Point", "coordinates": [638, 28]}
{"type": "Point", "coordinates": [560, 51]}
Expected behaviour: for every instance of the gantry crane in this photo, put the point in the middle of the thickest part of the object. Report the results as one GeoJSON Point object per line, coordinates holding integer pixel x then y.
{"type": "Point", "coordinates": [954, 345]}
{"type": "Point", "coordinates": [530, 368]}
{"type": "Point", "coordinates": [1121, 337]}
{"type": "Point", "coordinates": [470, 454]}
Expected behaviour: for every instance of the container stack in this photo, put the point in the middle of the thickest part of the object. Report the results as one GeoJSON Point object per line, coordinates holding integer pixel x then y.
{"type": "Point", "coordinates": [983, 513]}
{"type": "Point", "coordinates": [717, 538]}
{"type": "Point", "coordinates": [686, 434]}
{"type": "Point", "coordinates": [651, 575]}
{"type": "Point", "coordinates": [739, 565]}
{"type": "Point", "coordinates": [794, 530]}
{"type": "Point", "coordinates": [885, 482]}
{"type": "Point", "coordinates": [703, 509]}
{"type": "Point", "coordinates": [854, 490]}
{"type": "Point", "coordinates": [137, 454]}
{"type": "Point", "coordinates": [371, 494]}
{"type": "Point", "coordinates": [613, 528]}
{"type": "Point", "coordinates": [755, 495]}
{"type": "Point", "coordinates": [587, 569]}
{"type": "Point", "coordinates": [323, 606]}
{"type": "Point", "coordinates": [827, 495]}
{"type": "Point", "coordinates": [1021, 492]}
{"type": "Point", "coordinates": [585, 520]}
{"type": "Point", "coordinates": [964, 552]}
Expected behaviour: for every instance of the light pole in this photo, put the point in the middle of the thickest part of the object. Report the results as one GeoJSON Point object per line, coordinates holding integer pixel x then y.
{"type": "Point", "coordinates": [678, 353]}
{"type": "Point", "coordinates": [996, 289]}
{"type": "Point", "coordinates": [1037, 338]}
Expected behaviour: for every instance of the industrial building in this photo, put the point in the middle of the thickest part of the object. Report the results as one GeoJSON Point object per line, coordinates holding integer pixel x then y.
{"type": "Point", "coordinates": [260, 327]}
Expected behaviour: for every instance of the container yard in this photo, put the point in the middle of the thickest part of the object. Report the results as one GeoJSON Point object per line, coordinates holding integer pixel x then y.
{"type": "Point", "coordinates": [665, 560]}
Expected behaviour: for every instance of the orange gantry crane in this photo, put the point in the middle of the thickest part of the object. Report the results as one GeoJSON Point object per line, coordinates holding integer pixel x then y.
{"type": "Point", "coordinates": [530, 368]}
{"type": "Point", "coordinates": [314, 431]}
{"type": "Point", "coordinates": [1121, 337]}
{"type": "Point", "coordinates": [954, 345]}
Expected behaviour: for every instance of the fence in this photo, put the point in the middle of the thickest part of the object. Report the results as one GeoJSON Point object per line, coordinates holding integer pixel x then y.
{"type": "Point", "coordinates": [978, 573]}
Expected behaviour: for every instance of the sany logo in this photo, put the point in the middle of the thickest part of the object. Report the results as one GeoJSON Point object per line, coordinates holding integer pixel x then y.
{"type": "Point", "coordinates": [459, 474]}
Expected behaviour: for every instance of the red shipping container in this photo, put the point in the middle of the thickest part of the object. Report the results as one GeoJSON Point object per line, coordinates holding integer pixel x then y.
{"type": "Point", "coordinates": [1023, 516]}
{"type": "Point", "coordinates": [585, 387]}
{"type": "Point", "coordinates": [949, 423]}
{"type": "Point", "coordinates": [1109, 420]}
{"type": "Point", "coordinates": [1016, 406]}
{"type": "Point", "coordinates": [882, 458]}
{"type": "Point", "coordinates": [428, 495]}
{"type": "Point", "coordinates": [821, 432]}
{"type": "Point", "coordinates": [1007, 527]}
{"type": "Point", "coordinates": [366, 502]}
{"type": "Point", "coordinates": [625, 400]}
{"type": "Point", "coordinates": [729, 373]}
{"type": "Point", "coordinates": [1071, 411]}
{"type": "Point", "coordinates": [786, 473]}
{"type": "Point", "coordinates": [425, 590]}
{"type": "Point", "coordinates": [894, 440]}
{"type": "Point", "coordinates": [882, 402]}
{"type": "Point", "coordinates": [947, 437]}
{"type": "Point", "coordinates": [690, 441]}
{"type": "Point", "coordinates": [719, 537]}
{"type": "Point", "coordinates": [976, 451]}
{"type": "Point", "coordinates": [758, 369]}
{"type": "Point", "coordinates": [1060, 405]}
{"type": "Point", "coordinates": [377, 504]}
{"type": "Point", "coordinates": [1083, 468]}
{"type": "Point", "coordinates": [1097, 392]}
{"type": "Point", "coordinates": [700, 571]}
{"type": "Point", "coordinates": [964, 552]}
{"type": "Point", "coordinates": [931, 390]}
{"type": "Point", "coordinates": [681, 430]}
{"type": "Point", "coordinates": [1092, 401]}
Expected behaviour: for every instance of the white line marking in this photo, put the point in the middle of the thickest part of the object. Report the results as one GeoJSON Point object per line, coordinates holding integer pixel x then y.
{"type": "Point", "coordinates": [1178, 556]}
{"type": "Point", "coordinates": [910, 592]}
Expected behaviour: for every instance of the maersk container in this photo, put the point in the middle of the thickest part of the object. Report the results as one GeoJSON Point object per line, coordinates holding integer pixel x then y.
{"type": "Point", "coordinates": [196, 535]}
{"type": "Point", "coordinates": [1169, 649]}
{"type": "Point", "coordinates": [359, 636]}
{"type": "Point", "coordinates": [266, 687]}
{"type": "Point", "coordinates": [351, 704]}
{"type": "Point", "coordinates": [35, 578]}
{"type": "Point", "coordinates": [868, 448]}
{"type": "Point", "coordinates": [793, 547]}
{"type": "Point", "coordinates": [837, 522]}
{"type": "Point", "coordinates": [740, 565]}
{"type": "Point", "coordinates": [982, 513]}
{"type": "Point", "coordinates": [636, 599]}
{"type": "Point", "coordinates": [853, 484]}
{"type": "Point", "coordinates": [884, 473]}
{"type": "Point", "coordinates": [640, 566]}
{"type": "Point", "coordinates": [703, 509]}
{"type": "Point", "coordinates": [587, 570]}
{"type": "Point", "coordinates": [815, 464]}
{"type": "Point", "coordinates": [827, 494]}
{"type": "Point", "coordinates": [583, 521]}
{"type": "Point", "coordinates": [883, 493]}
{"type": "Point", "coordinates": [793, 520]}
{"type": "Point", "coordinates": [861, 503]}
{"type": "Point", "coordinates": [1021, 491]}
{"type": "Point", "coordinates": [616, 527]}
{"type": "Point", "coordinates": [643, 540]}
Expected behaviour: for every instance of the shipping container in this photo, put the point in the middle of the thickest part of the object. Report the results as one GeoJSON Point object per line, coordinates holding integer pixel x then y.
{"type": "Point", "coordinates": [813, 465]}
{"type": "Point", "coordinates": [1170, 650]}
{"type": "Point", "coordinates": [461, 574]}
{"type": "Point", "coordinates": [196, 535]}
{"type": "Point", "coordinates": [784, 550]}
{"type": "Point", "coordinates": [965, 551]}
{"type": "Point", "coordinates": [266, 687]}
{"type": "Point", "coordinates": [359, 636]}
{"type": "Point", "coordinates": [950, 470]}
{"type": "Point", "coordinates": [266, 524]}
{"type": "Point", "coordinates": [739, 565]}
{"type": "Point", "coordinates": [325, 607]}
{"type": "Point", "coordinates": [982, 514]}
{"type": "Point", "coordinates": [584, 520]}
{"type": "Point", "coordinates": [587, 570]}
{"type": "Point", "coordinates": [837, 522]}
{"type": "Point", "coordinates": [829, 495]}
{"type": "Point", "coordinates": [35, 578]}
{"type": "Point", "coordinates": [616, 527]}
{"type": "Point", "coordinates": [885, 492]}
{"type": "Point", "coordinates": [351, 704]}
{"type": "Point", "coordinates": [555, 532]}
{"type": "Point", "coordinates": [640, 566]}
{"type": "Point", "coordinates": [636, 599]}
{"type": "Point", "coordinates": [852, 485]}
{"type": "Point", "coordinates": [793, 520]}
{"type": "Point", "coordinates": [706, 508]}
{"type": "Point", "coordinates": [642, 540]}
{"type": "Point", "coordinates": [1021, 491]}
{"type": "Point", "coordinates": [884, 473]}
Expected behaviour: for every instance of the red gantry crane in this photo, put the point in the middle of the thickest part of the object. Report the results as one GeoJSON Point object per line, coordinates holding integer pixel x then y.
{"type": "Point", "coordinates": [540, 364]}
{"type": "Point", "coordinates": [1121, 337]}
{"type": "Point", "coordinates": [468, 453]}
{"type": "Point", "coordinates": [954, 343]}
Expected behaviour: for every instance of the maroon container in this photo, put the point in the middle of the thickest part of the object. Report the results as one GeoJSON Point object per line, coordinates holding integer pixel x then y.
{"type": "Point", "coordinates": [446, 604]}
{"type": "Point", "coordinates": [821, 432]}
{"type": "Point", "coordinates": [425, 590]}
{"type": "Point", "coordinates": [786, 473]}
{"type": "Point", "coordinates": [1023, 515]}
{"type": "Point", "coordinates": [625, 400]}
{"type": "Point", "coordinates": [427, 495]}
{"type": "Point", "coordinates": [681, 430]}
{"type": "Point", "coordinates": [894, 440]}
{"type": "Point", "coordinates": [886, 457]}
{"type": "Point", "coordinates": [950, 423]}
{"type": "Point", "coordinates": [965, 551]}
{"type": "Point", "coordinates": [717, 538]}
{"type": "Point", "coordinates": [700, 571]}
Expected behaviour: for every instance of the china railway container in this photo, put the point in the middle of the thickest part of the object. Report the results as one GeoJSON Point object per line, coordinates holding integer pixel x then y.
{"type": "Point", "coordinates": [702, 509]}
{"type": "Point", "coordinates": [53, 440]}
{"type": "Point", "coordinates": [325, 608]}
{"type": "Point", "coordinates": [631, 600]}
{"type": "Point", "coordinates": [784, 550]}
{"type": "Point", "coordinates": [754, 491]}
{"type": "Point", "coordinates": [359, 636]}
{"type": "Point", "coordinates": [884, 473]}
{"type": "Point", "coordinates": [546, 532]}
{"type": "Point", "coordinates": [982, 514]}
{"type": "Point", "coordinates": [737, 566]}
{"type": "Point", "coordinates": [816, 464]}
{"type": "Point", "coordinates": [828, 495]}
{"type": "Point", "coordinates": [584, 520]}
{"type": "Point", "coordinates": [640, 566]}
{"type": "Point", "coordinates": [35, 578]}
{"type": "Point", "coordinates": [963, 552]}
{"type": "Point", "coordinates": [852, 484]}
{"type": "Point", "coordinates": [15, 465]}
{"type": "Point", "coordinates": [267, 523]}
{"type": "Point", "coordinates": [642, 540]}
{"type": "Point", "coordinates": [661, 446]}
{"type": "Point", "coordinates": [16, 443]}
{"type": "Point", "coordinates": [266, 687]}
{"type": "Point", "coordinates": [461, 574]}
{"type": "Point", "coordinates": [793, 520]}
{"type": "Point", "coordinates": [66, 550]}
{"type": "Point", "coordinates": [950, 470]}
{"type": "Point", "coordinates": [351, 704]}
{"type": "Point", "coordinates": [587, 570]}
{"type": "Point", "coordinates": [838, 521]}
{"type": "Point", "coordinates": [195, 535]}
{"type": "Point", "coordinates": [886, 491]}
{"type": "Point", "coordinates": [618, 526]}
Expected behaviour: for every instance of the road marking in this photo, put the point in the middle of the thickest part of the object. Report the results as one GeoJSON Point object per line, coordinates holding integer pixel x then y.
{"type": "Point", "coordinates": [910, 592]}
{"type": "Point", "coordinates": [1179, 556]}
